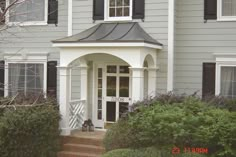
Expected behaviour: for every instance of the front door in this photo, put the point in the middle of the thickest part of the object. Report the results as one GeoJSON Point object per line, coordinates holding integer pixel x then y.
{"type": "Point", "coordinates": [113, 93]}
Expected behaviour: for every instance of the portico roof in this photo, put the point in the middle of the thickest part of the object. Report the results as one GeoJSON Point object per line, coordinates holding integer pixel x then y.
{"type": "Point", "coordinates": [113, 34]}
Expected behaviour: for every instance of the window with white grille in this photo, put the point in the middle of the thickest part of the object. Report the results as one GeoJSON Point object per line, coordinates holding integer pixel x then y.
{"type": "Point", "coordinates": [226, 10]}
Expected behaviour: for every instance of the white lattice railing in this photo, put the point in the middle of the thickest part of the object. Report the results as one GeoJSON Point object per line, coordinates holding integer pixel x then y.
{"type": "Point", "coordinates": [77, 113]}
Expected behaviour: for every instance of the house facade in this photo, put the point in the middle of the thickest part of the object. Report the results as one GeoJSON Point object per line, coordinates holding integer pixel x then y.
{"type": "Point", "coordinates": [100, 56]}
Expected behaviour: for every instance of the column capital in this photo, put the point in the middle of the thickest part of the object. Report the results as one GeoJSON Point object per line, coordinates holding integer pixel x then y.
{"type": "Point", "coordinates": [137, 68]}
{"type": "Point", "coordinates": [62, 67]}
{"type": "Point", "coordinates": [153, 69]}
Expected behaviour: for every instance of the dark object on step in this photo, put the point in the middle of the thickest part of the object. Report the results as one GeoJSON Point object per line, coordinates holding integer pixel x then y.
{"type": "Point", "coordinates": [85, 126]}
{"type": "Point", "coordinates": [91, 126]}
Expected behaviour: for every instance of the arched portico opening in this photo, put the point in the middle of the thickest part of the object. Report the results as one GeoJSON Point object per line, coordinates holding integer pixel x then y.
{"type": "Point", "coordinates": [101, 84]}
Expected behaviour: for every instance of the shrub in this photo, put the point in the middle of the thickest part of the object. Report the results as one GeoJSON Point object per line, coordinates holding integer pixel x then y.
{"type": "Point", "coordinates": [120, 135]}
{"type": "Point", "coordinates": [146, 152]}
{"type": "Point", "coordinates": [29, 131]}
{"type": "Point", "coordinates": [190, 123]}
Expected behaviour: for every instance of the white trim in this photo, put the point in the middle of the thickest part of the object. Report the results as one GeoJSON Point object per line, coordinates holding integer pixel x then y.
{"type": "Point", "coordinates": [70, 18]}
{"type": "Point", "coordinates": [112, 44]}
{"type": "Point", "coordinates": [28, 23]}
{"type": "Point", "coordinates": [219, 13]}
{"type": "Point", "coordinates": [222, 62]}
{"type": "Point", "coordinates": [121, 18]}
{"type": "Point", "coordinates": [171, 32]}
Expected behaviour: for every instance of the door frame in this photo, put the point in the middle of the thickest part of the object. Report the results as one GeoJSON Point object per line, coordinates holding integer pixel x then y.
{"type": "Point", "coordinates": [100, 124]}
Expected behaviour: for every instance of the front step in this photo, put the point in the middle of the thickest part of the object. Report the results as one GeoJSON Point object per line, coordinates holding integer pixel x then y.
{"type": "Point", "coordinates": [73, 154]}
{"type": "Point", "coordinates": [82, 148]}
{"type": "Point", "coordinates": [82, 145]}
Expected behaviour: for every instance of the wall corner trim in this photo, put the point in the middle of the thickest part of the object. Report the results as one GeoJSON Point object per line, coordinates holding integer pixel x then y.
{"type": "Point", "coordinates": [171, 32]}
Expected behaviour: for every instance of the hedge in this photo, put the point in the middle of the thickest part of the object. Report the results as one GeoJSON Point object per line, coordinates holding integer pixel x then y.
{"type": "Point", "coordinates": [186, 123]}
{"type": "Point", "coordinates": [146, 152]}
{"type": "Point", "coordinates": [29, 131]}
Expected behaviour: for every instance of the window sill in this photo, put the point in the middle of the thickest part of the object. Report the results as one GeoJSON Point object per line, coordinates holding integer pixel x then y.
{"type": "Point", "coordinates": [27, 23]}
{"type": "Point", "coordinates": [228, 19]}
{"type": "Point", "coordinates": [118, 19]}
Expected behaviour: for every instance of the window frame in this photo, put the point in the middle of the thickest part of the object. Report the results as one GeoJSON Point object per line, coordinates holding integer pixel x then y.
{"type": "Point", "coordinates": [44, 63]}
{"type": "Point", "coordinates": [219, 13]}
{"type": "Point", "coordinates": [125, 18]}
{"type": "Point", "coordinates": [28, 23]}
{"type": "Point", "coordinates": [222, 62]}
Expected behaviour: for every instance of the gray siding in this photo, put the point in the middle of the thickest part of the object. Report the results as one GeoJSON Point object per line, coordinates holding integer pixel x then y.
{"type": "Point", "coordinates": [36, 38]}
{"type": "Point", "coordinates": [196, 42]}
{"type": "Point", "coordinates": [156, 24]}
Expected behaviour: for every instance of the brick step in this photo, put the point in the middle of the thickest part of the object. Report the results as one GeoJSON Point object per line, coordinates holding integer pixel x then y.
{"type": "Point", "coordinates": [83, 148]}
{"type": "Point", "coordinates": [82, 140]}
{"type": "Point", "coordinates": [76, 154]}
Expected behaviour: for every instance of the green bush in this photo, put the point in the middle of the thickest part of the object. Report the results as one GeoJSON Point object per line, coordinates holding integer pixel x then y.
{"type": "Point", "coordinates": [190, 123]}
{"type": "Point", "coordinates": [149, 152]}
{"type": "Point", "coordinates": [120, 135]}
{"type": "Point", "coordinates": [29, 131]}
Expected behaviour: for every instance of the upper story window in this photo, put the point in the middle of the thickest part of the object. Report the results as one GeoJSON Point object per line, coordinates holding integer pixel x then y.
{"type": "Point", "coordinates": [32, 12]}
{"type": "Point", "coordinates": [226, 10]}
{"type": "Point", "coordinates": [29, 12]}
{"type": "Point", "coordinates": [119, 10]}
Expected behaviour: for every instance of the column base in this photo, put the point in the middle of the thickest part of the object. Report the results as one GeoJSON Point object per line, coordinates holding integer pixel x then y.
{"type": "Point", "coordinates": [65, 131]}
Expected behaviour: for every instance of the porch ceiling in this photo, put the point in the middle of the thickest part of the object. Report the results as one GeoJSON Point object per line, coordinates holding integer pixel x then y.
{"type": "Point", "coordinates": [110, 34]}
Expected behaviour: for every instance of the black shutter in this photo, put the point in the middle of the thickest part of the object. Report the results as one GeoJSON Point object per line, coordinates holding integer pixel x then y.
{"type": "Point", "coordinates": [2, 6]}
{"type": "Point", "coordinates": [52, 79]}
{"type": "Point", "coordinates": [2, 78]}
{"type": "Point", "coordinates": [208, 80]}
{"type": "Point", "coordinates": [210, 9]}
{"type": "Point", "coordinates": [52, 12]}
{"type": "Point", "coordinates": [98, 9]}
{"type": "Point", "coordinates": [138, 9]}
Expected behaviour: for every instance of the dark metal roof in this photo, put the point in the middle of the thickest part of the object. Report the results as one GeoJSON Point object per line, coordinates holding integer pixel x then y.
{"type": "Point", "coordinates": [111, 32]}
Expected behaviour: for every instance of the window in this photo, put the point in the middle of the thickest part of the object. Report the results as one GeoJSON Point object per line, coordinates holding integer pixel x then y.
{"type": "Point", "coordinates": [28, 12]}
{"type": "Point", "coordinates": [25, 78]}
{"type": "Point", "coordinates": [228, 81]}
{"type": "Point", "coordinates": [226, 10]}
{"type": "Point", "coordinates": [118, 10]}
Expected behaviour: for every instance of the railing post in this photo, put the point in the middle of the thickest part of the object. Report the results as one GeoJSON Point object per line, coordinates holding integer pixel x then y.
{"type": "Point", "coordinates": [84, 88]}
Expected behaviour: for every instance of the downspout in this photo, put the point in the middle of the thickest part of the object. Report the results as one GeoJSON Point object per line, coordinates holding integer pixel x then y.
{"type": "Point", "coordinates": [70, 17]}
{"type": "Point", "coordinates": [171, 33]}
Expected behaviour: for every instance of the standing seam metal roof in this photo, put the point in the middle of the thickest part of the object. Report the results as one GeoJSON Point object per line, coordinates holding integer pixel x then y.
{"type": "Point", "coordinates": [111, 32]}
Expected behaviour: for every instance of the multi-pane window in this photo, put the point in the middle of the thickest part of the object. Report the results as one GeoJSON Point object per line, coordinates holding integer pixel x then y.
{"type": "Point", "coordinates": [25, 79]}
{"type": "Point", "coordinates": [118, 8]}
{"type": "Point", "coordinates": [28, 11]}
{"type": "Point", "coordinates": [228, 82]}
{"type": "Point", "coordinates": [226, 9]}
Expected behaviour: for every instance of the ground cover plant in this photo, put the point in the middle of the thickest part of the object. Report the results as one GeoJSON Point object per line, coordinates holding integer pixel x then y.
{"type": "Point", "coordinates": [29, 127]}
{"type": "Point", "coordinates": [177, 121]}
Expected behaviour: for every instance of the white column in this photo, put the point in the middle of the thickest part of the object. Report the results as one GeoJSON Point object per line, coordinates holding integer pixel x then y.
{"type": "Point", "coordinates": [137, 85]}
{"type": "Point", "coordinates": [84, 87]}
{"type": "Point", "coordinates": [152, 76]}
{"type": "Point", "coordinates": [64, 100]}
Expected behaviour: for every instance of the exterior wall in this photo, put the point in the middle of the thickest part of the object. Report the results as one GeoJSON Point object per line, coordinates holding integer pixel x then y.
{"type": "Point", "coordinates": [155, 23]}
{"type": "Point", "coordinates": [196, 42]}
{"type": "Point", "coordinates": [32, 39]}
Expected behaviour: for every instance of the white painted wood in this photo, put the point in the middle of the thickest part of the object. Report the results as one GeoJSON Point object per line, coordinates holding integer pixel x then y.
{"type": "Point", "coordinates": [171, 32]}
{"type": "Point", "coordinates": [64, 100]}
{"type": "Point", "coordinates": [137, 84]}
{"type": "Point", "coordinates": [113, 44]}
{"type": "Point", "coordinates": [84, 87]}
{"type": "Point", "coordinates": [152, 76]}
{"type": "Point", "coordinates": [70, 17]}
